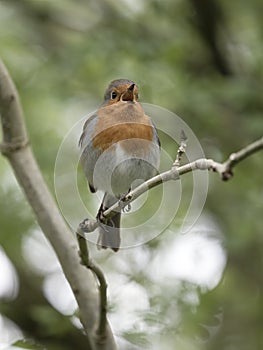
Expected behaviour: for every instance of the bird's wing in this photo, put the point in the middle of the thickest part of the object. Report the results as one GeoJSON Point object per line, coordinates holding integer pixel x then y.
{"type": "Point", "coordinates": [89, 155]}
{"type": "Point", "coordinates": [88, 127]}
{"type": "Point", "coordinates": [155, 134]}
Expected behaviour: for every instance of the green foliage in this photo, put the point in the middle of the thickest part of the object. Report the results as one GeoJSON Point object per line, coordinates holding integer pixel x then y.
{"type": "Point", "coordinates": [61, 55]}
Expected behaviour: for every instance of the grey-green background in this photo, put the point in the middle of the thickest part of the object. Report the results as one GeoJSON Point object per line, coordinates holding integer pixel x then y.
{"type": "Point", "coordinates": [203, 61]}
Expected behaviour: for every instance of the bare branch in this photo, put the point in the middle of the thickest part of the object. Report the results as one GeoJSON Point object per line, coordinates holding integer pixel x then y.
{"type": "Point", "coordinates": [14, 131]}
{"type": "Point", "coordinates": [16, 147]}
{"type": "Point", "coordinates": [90, 264]}
{"type": "Point", "coordinates": [237, 157]}
{"type": "Point", "coordinates": [181, 149]}
{"type": "Point", "coordinates": [225, 170]}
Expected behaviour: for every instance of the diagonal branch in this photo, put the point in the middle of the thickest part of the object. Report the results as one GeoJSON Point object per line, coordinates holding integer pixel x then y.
{"type": "Point", "coordinates": [16, 148]}
{"type": "Point", "coordinates": [225, 170]}
{"type": "Point", "coordinates": [237, 157]}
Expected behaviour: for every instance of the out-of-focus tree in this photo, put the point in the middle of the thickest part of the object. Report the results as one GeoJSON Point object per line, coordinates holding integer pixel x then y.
{"type": "Point", "coordinates": [203, 61]}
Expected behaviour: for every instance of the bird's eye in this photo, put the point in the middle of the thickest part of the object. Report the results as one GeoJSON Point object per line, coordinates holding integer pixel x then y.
{"type": "Point", "coordinates": [113, 95]}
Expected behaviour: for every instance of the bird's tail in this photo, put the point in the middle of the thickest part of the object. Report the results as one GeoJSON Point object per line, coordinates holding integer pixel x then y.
{"type": "Point", "coordinates": [109, 231]}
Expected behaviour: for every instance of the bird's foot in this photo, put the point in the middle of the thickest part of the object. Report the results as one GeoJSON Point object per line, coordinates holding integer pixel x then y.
{"type": "Point", "coordinates": [125, 197]}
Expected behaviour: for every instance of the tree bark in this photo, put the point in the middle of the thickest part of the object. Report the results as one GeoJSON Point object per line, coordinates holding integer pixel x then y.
{"type": "Point", "coordinates": [16, 148]}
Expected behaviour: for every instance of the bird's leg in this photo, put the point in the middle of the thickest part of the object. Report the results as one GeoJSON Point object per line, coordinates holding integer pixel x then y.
{"type": "Point", "coordinates": [101, 219]}
{"type": "Point", "coordinates": [123, 198]}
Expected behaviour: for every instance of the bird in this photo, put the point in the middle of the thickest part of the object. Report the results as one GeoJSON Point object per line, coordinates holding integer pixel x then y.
{"type": "Point", "coordinates": [119, 146]}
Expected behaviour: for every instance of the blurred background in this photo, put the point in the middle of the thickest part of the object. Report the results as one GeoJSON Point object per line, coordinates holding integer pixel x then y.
{"type": "Point", "coordinates": [203, 60]}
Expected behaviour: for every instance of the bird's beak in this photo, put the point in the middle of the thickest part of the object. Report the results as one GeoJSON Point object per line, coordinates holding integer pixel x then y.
{"type": "Point", "coordinates": [131, 87]}
{"type": "Point", "coordinates": [128, 95]}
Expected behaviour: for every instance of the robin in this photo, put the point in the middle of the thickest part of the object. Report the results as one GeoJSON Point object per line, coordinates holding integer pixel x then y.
{"type": "Point", "coordinates": [119, 146]}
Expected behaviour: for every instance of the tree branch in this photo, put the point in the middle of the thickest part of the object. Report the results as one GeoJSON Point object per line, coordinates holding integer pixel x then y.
{"type": "Point", "coordinates": [90, 264]}
{"type": "Point", "coordinates": [225, 170]}
{"type": "Point", "coordinates": [16, 148]}
{"type": "Point", "coordinates": [237, 157]}
{"type": "Point", "coordinates": [181, 150]}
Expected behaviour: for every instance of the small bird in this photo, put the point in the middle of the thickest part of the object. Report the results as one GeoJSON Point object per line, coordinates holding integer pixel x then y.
{"type": "Point", "coordinates": [119, 146]}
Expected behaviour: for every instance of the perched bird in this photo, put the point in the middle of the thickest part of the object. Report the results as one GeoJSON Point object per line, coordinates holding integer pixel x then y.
{"type": "Point", "coordinates": [119, 145]}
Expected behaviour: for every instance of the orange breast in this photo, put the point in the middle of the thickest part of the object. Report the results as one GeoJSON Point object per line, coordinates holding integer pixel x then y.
{"type": "Point", "coordinates": [124, 121]}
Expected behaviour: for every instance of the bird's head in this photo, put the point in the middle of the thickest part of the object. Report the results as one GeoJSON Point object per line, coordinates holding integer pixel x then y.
{"type": "Point", "coordinates": [121, 90]}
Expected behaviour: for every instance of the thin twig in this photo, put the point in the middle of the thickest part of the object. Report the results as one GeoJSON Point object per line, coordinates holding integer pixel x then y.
{"type": "Point", "coordinates": [225, 170]}
{"type": "Point", "coordinates": [102, 327]}
{"type": "Point", "coordinates": [181, 149]}
{"type": "Point", "coordinates": [90, 264]}
{"type": "Point", "coordinates": [237, 157]}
